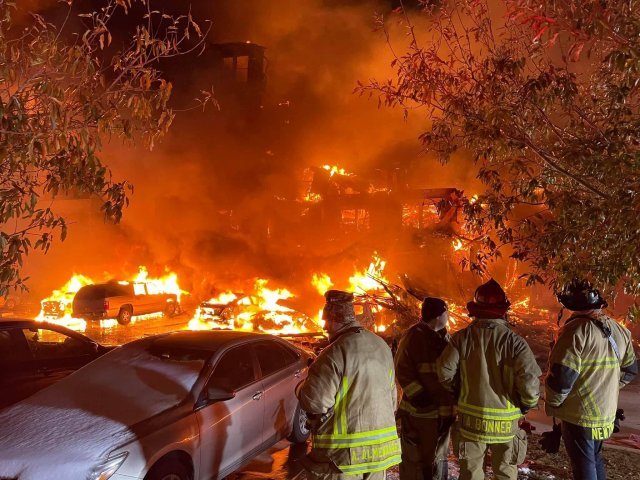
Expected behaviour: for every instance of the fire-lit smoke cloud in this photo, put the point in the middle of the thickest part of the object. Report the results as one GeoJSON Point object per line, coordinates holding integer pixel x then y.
{"type": "Point", "coordinates": [209, 165]}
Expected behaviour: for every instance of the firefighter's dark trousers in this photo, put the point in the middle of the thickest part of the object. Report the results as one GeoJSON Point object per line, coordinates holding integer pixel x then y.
{"type": "Point", "coordinates": [584, 452]}
{"type": "Point", "coordinates": [425, 447]}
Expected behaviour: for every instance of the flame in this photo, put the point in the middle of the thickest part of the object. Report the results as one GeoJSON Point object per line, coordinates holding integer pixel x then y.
{"type": "Point", "coordinates": [319, 320]}
{"type": "Point", "coordinates": [322, 282]}
{"type": "Point", "coordinates": [334, 170]}
{"type": "Point", "coordinates": [165, 284]}
{"type": "Point", "coordinates": [457, 245]}
{"type": "Point", "coordinates": [363, 281]}
{"type": "Point", "coordinates": [57, 307]}
{"type": "Point", "coordinates": [312, 197]}
{"type": "Point", "coordinates": [473, 199]}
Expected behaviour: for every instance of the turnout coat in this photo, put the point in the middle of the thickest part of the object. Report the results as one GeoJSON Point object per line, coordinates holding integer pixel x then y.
{"type": "Point", "coordinates": [351, 387]}
{"type": "Point", "coordinates": [496, 376]}
{"type": "Point", "coordinates": [586, 373]}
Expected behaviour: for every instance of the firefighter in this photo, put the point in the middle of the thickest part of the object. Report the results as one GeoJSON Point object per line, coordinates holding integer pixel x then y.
{"type": "Point", "coordinates": [350, 398]}
{"type": "Point", "coordinates": [426, 409]}
{"type": "Point", "coordinates": [494, 374]}
{"type": "Point", "coordinates": [592, 358]}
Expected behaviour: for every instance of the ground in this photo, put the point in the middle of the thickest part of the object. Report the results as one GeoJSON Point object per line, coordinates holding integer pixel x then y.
{"type": "Point", "coordinates": [622, 464]}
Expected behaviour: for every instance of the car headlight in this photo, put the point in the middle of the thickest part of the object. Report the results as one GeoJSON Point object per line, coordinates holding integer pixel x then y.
{"type": "Point", "coordinates": [107, 467]}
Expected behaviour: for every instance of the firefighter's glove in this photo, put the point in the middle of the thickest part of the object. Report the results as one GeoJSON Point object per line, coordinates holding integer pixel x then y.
{"type": "Point", "coordinates": [620, 417]}
{"type": "Point", "coordinates": [525, 425]}
{"type": "Point", "coordinates": [315, 421]}
{"type": "Point", "coordinates": [550, 441]}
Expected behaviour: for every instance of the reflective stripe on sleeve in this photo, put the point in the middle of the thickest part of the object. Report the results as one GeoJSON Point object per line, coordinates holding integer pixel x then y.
{"type": "Point", "coordinates": [412, 389]}
{"type": "Point", "coordinates": [447, 410]}
{"type": "Point", "coordinates": [414, 412]}
{"type": "Point", "coordinates": [427, 367]}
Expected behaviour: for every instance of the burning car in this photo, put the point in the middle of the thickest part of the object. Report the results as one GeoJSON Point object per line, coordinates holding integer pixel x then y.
{"type": "Point", "coordinates": [259, 311]}
{"type": "Point", "coordinates": [122, 300]}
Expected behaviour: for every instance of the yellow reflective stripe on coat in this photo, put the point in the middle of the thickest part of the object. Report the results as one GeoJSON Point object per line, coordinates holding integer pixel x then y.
{"type": "Point", "coordinates": [490, 413]}
{"type": "Point", "coordinates": [371, 437]}
{"type": "Point", "coordinates": [412, 389]}
{"type": "Point", "coordinates": [605, 362]}
{"type": "Point", "coordinates": [427, 367]}
{"type": "Point", "coordinates": [340, 409]}
{"type": "Point", "coordinates": [485, 438]}
{"type": "Point", "coordinates": [360, 468]}
{"type": "Point", "coordinates": [414, 412]}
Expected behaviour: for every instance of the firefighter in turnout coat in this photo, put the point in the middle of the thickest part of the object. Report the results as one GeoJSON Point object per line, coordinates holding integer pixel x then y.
{"type": "Point", "coordinates": [591, 360]}
{"type": "Point", "coordinates": [350, 397]}
{"type": "Point", "coordinates": [495, 375]}
{"type": "Point", "coordinates": [426, 411]}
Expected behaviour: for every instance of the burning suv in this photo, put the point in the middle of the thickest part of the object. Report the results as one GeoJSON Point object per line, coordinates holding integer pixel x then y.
{"type": "Point", "coordinates": [122, 300]}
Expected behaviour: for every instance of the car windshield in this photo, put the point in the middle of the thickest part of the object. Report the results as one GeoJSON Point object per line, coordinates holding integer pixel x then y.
{"type": "Point", "coordinates": [99, 405]}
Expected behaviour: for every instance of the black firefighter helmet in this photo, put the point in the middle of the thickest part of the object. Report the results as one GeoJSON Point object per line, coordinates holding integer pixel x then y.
{"type": "Point", "coordinates": [489, 301]}
{"type": "Point", "coordinates": [580, 295]}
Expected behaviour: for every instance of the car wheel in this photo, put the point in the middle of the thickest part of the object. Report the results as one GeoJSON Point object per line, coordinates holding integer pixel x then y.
{"type": "Point", "coordinates": [170, 309]}
{"type": "Point", "coordinates": [124, 315]}
{"type": "Point", "coordinates": [169, 470]}
{"type": "Point", "coordinates": [300, 431]}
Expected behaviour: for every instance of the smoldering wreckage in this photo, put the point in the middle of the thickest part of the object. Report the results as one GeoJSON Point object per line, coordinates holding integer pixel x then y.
{"type": "Point", "coordinates": [346, 214]}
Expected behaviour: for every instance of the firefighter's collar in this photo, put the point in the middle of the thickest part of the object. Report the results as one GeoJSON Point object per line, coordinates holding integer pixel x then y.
{"type": "Point", "coordinates": [491, 322]}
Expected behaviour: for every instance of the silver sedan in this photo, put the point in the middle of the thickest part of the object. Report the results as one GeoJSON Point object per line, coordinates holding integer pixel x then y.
{"type": "Point", "coordinates": [179, 406]}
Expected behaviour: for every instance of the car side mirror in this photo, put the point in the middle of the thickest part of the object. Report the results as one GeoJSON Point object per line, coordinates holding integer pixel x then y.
{"type": "Point", "coordinates": [212, 395]}
{"type": "Point", "coordinates": [217, 394]}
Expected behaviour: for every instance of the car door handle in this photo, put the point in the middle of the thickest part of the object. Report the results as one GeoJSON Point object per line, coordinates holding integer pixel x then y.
{"type": "Point", "coordinates": [257, 395]}
{"type": "Point", "coordinates": [297, 373]}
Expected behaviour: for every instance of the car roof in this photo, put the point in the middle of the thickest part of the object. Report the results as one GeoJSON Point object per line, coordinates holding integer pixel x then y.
{"type": "Point", "coordinates": [207, 340]}
{"type": "Point", "coordinates": [25, 323]}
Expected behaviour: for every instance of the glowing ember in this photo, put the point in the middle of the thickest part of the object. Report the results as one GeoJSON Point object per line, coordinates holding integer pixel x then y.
{"type": "Point", "coordinates": [457, 245]}
{"type": "Point", "coordinates": [322, 282]}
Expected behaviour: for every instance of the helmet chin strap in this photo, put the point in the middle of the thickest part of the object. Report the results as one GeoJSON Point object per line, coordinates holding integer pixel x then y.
{"type": "Point", "coordinates": [560, 314]}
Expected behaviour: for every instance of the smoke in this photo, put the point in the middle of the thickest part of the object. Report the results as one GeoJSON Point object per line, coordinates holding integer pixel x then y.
{"type": "Point", "coordinates": [201, 197]}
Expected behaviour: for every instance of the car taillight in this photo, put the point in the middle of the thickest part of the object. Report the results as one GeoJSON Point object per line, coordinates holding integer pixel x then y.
{"type": "Point", "coordinates": [105, 305]}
